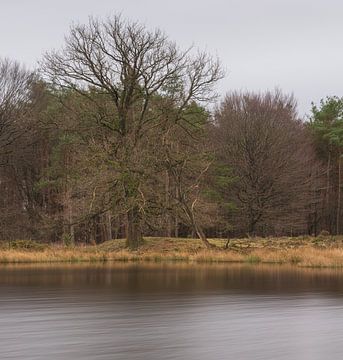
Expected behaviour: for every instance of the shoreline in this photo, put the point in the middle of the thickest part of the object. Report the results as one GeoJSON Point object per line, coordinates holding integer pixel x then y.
{"type": "Point", "coordinates": [301, 252]}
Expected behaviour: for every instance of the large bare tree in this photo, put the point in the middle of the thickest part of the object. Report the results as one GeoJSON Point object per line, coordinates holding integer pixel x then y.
{"type": "Point", "coordinates": [262, 141]}
{"type": "Point", "coordinates": [19, 96]}
{"type": "Point", "coordinates": [15, 96]}
{"type": "Point", "coordinates": [132, 66]}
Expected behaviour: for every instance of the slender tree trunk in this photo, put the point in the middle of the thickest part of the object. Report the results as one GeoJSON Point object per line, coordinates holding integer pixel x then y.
{"type": "Point", "coordinates": [167, 205]}
{"type": "Point", "coordinates": [104, 224]}
{"type": "Point", "coordinates": [252, 225]}
{"type": "Point", "coordinates": [107, 225]}
{"type": "Point", "coordinates": [133, 229]}
{"type": "Point", "coordinates": [327, 193]}
{"type": "Point", "coordinates": [338, 215]}
{"type": "Point", "coordinates": [117, 227]}
{"type": "Point", "coordinates": [92, 231]}
{"type": "Point", "coordinates": [107, 222]}
{"type": "Point", "coordinates": [196, 227]}
{"type": "Point", "coordinates": [176, 220]}
{"type": "Point", "coordinates": [176, 232]}
{"type": "Point", "coordinates": [202, 236]}
{"type": "Point", "coordinates": [69, 228]}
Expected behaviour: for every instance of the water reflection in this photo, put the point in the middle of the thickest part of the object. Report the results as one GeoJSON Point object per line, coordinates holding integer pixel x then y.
{"type": "Point", "coordinates": [184, 278]}
{"type": "Point", "coordinates": [170, 311]}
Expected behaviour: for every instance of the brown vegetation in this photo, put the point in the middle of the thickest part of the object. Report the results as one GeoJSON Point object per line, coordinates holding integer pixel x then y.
{"type": "Point", "coordinates": [302, 251]}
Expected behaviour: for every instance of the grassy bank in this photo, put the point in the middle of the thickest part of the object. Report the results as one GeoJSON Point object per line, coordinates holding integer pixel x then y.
{"type": "Point", "coordinates": [301, 251]}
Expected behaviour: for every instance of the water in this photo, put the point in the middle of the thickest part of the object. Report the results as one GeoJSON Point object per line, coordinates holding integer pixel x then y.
{"type": "Point", "coordinates": [157, 312]}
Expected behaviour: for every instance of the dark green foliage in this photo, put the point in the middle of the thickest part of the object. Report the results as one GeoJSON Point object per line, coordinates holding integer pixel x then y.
{"type": "Point", "coordinates": [326, 122]}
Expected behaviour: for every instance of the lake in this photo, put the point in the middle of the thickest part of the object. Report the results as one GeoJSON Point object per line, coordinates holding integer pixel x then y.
{"type": "Point", "coordinates": [170, 311]}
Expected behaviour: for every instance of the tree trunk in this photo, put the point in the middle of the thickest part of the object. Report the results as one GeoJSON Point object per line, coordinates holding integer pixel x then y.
{"type": "Point", "coordinates": [251, 226]}
{"type": "Point", "coordinates": [203, 237]}
{"type": "Point", "coordinates": [176, 220]}
{"type": "Point", "coordinates": [106, 227]}
{"type": "Point", "coordinates": [167, 205]}
{"type": "Point", "coordinates": [196, 227]}
{"type": "Point", "coordinates": [327, 194]}
{"type": "Point", "coordinates": [133, 229]}
{"type": "Point", "coordinates": [176, 232]}
{"type": "Point", "coordinates": [68, 228]}
{"type": "Point", "coordinates": [338, 196]}
{"type": "Point", "coordinates": [92, 231]}
{"type": "Point", "coordinates": [117, 227]}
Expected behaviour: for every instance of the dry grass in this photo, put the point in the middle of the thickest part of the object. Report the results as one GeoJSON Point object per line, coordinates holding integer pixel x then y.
{"type": "Point", "coordinates": [304, 251]}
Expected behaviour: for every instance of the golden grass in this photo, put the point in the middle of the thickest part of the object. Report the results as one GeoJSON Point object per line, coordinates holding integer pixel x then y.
{"type": "Point", "coordinates": [304, 252]}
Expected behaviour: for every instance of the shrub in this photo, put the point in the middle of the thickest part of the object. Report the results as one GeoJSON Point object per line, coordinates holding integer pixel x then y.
{"type": "Point", "coordinates": [26, 245]}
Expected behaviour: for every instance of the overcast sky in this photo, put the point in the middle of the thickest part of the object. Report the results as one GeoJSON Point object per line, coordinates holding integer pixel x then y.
{"type": "Point", "coordinates": [295, 45]}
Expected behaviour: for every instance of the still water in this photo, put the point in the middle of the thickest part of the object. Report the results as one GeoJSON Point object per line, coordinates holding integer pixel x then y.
{"type": "Point", "coordinates": [157, 312]}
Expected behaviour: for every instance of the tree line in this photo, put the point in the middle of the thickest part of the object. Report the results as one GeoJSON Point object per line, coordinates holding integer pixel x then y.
{"type": "Point", "coordinates": [114, 137]}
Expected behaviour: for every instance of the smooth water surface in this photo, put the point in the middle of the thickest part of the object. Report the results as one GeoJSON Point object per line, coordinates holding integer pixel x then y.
{"type": "Point", "coordinates": [157, 312]}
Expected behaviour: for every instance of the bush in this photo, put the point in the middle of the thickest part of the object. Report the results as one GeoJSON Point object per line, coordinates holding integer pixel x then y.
{"type": "Point", "coordinates": [26, 245]}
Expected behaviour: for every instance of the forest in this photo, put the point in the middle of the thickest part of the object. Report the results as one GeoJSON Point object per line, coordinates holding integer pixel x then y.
{"type": "Point", "coordinates": [121, 134]}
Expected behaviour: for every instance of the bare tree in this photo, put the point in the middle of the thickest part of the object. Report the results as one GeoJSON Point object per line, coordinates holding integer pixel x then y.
{"type": "Point", "coordinates": [261, 139]}
{"type": "Point", "coordinates": [19, 96]}
{"type": "Point", "coordinates": [15, 89]}
{"type": "Point", "coordinates": [133, 66]}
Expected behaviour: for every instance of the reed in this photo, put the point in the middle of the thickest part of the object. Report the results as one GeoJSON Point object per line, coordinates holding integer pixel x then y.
{"type": "Point", "coordinates": [304, 252]}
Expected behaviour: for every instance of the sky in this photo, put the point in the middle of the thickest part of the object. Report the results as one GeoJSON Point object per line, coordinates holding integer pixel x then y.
{"type": "Point", "coordinates": [294, 45]}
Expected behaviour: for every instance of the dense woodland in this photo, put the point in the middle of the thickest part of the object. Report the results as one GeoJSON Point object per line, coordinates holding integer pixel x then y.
{"type": "Point", "coordinates": [120, 134]}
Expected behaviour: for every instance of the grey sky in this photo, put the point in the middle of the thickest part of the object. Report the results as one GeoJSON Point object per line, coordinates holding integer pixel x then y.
{"type": "Point", "coordinates": [295, 45]}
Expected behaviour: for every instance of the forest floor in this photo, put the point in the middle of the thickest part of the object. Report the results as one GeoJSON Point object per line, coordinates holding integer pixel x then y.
{"type": "Point", "coordinates": [322, 251]}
